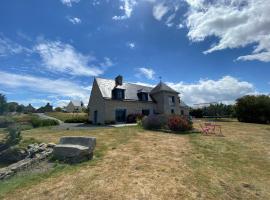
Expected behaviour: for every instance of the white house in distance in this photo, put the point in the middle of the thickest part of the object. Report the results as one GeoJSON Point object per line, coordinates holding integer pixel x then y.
{"type": "Point", "coordinates": [74, 106]}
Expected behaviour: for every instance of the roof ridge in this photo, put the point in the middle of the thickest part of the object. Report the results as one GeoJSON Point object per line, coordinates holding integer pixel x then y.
{"type": "Point", "coordinates": [125, 82]}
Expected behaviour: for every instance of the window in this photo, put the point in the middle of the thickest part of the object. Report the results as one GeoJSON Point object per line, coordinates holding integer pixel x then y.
{"type": "Point", "coordinates": [145, 112]}
{"type": "Point", "coordinates": [182, 112]}
{"type": "Point", "coordinates": [118, 94]}
{"type": "Point", "coordinates": [172, 111]}
{"type": "Point", "coordinates": [142, 96]}
{"type": "Point", "coordinates": [171, 100]}
{"type": "Point", "coordinates": [120, 115]}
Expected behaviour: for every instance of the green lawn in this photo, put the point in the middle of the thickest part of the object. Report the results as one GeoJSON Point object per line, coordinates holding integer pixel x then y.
{"type": "Point", "coordinates": [64, 116]}
{"type": "Point", "coordinates": [131, 163]}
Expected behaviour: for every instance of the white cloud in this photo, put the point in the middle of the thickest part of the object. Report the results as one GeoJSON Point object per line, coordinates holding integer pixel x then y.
{"type": "Point", "coordinates": [145, 72]}
{"type": "Point", "coordinates": [9, 47]}
{"type": "Point", "coordinates": [169, 20]}
{"type": "Point", "coordinates": [227, 89]}
{"type": "Point", "coordinates": [58, 87]}
{"type": "Point", "coordinates": [131, 45]}
{"type": "Point", "coordinates": [159, 10]}
{"type": "Point", "coordinates": [237, 23]}
{"type": "Point", "coordinates": [74, 20]}
{"type": "Point", "coordinates": [69, 2]}
{"type": "Point", "coordinates": [61, 57]}
{"type": "Point", "coordinates": [106, 63]}
{"type": "Point", "coordinates": [127, 6]}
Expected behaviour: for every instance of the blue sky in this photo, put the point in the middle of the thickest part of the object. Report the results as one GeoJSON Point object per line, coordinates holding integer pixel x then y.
{"type": "Point", "coordinates": [207, 50]}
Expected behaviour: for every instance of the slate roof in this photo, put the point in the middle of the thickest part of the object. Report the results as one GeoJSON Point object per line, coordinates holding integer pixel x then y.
{"type": "Point", "coordinates": [183, 104]}
{"type": "Point", "coordinates": [107, 85]}
{"type": "Point", "coordinates": [76, 103]}
{"type": "Point", "coordinates": [162, 87]}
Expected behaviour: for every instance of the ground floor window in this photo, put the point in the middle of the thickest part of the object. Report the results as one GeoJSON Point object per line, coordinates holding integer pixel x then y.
{"type": "Point", "coordinates": [145, 112]}
{"type": "Point", "coordinates": [120, 115]}
{"type": "Point", "coordinates": [172, 111]}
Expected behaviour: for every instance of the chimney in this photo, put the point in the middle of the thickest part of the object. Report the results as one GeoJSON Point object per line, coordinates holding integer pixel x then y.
{"type": "Point", "coordinates": [118, 80]}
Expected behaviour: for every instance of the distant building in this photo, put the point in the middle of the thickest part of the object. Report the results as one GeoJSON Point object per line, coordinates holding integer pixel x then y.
{"type": "Point", "coordinates": [74, 106]}
{"type": "Point", "coordinates": [113, 100]}
{"type": "Point", "coordinates": [47, 108]}
{"type": "Point", "coordinates": [29, 109]}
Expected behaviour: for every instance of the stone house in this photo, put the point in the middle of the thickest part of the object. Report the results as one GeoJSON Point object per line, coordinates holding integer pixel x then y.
{"type": "Point", "coordinates": [74, 106]}
{"type": "Point", "coordinates": [114, 100]}
{"type": "Point", "coordinates": [184, 109]}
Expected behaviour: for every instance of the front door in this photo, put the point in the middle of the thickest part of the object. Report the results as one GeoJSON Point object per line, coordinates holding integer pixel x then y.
{"type": "Point", "coordinates": [120, 115]}
{"type": "Point", "coordinates": [95, 117]}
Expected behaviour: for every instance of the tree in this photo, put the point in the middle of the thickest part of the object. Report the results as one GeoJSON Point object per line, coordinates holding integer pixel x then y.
{"type": "Point", "coordinates": [47, 108]}
{"type": "Point", "coordinates": [3, 104]}
{"type": "Point", "coordinates": [214, 110]}
{"type": "Point", "coordinates": [253, 109]}
{"type": "Point", "coordinates": [12, 106]}
{"type": "Point", "coordinates": [20, 108]}
{"type": "Point", "coordinates": [58, 109]}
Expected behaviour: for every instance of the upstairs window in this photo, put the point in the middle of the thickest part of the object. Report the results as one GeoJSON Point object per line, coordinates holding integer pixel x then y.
{"type": "Point", "coordinates": [118, 94]}
{"type": "Point", "coordinates": [171, 100]}
{"type": "Point", "coordinates": [142, 96]}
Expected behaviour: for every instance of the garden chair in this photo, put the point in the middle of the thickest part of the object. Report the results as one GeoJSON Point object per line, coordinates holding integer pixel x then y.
{"type": "Point", "coordinates": [205, 129]}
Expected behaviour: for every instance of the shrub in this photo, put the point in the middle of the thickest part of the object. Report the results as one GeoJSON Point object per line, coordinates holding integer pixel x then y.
{"type": "Point", "coordinates": [5, 122]}
{"type": "Point", "coordinates": [133, 118]}
{"type": "Point", "coordinates": [154, 122]}
{"type": "Point", "coordinates": [77, 120]}
{"type": "Point", "coordinates": [37, 122]}
{"type": "Point", "coordinates": [13, 136]}
{"type": "Point", "coordinates": [253, 109]}
{"type": "Point", "coordinates": [178, 123]}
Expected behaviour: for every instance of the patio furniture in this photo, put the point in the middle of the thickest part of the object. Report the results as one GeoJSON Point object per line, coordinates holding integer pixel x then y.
{"type": "Point", "coordinates": [210, 128]}
{"type": "Point", "coordinates": [205, 129]}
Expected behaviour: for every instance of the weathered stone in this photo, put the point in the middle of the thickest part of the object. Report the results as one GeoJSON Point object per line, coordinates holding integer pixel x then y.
{"type": "Point", "coordinates": [51, 145]}
{"type": "Point", "coordinates": [13, 154]}
{"type": "Point", "coordinates": [36, 153]}
{"type": "Point", "coordinates": [75, 149]}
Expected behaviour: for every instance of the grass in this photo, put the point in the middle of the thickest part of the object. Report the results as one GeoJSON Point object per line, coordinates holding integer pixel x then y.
{"type": "Point", "coordinates": [131, 163]}
{"type": "Point", "coordinates": [67, 116]}
{"type": "Point", "coordinates": [106, 141]}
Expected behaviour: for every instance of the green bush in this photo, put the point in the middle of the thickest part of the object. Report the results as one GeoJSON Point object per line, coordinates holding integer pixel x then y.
{"type": "Point", "coordinates": [37, 122]}
{"type": "Point", "coordinates": [133, 118]}
{"type": "Point", "coordinates": [5, 122]}
{"type": "Point", "coordinates": [253, 109]}
{"type": "Point", "coordinates": [109, 122]}
{"type": "Point", "coordinates": [154, 122]}
{"type": "Point", "coordinates": [178, 123]}
{"type": "Point", "coordinates": [77, 120]}
{"type": "Point", "coordinates": [13, 136]}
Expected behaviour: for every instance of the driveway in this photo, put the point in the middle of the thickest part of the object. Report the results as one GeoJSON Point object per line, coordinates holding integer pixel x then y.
{"type": "Point", "coordinates": [43, 116]}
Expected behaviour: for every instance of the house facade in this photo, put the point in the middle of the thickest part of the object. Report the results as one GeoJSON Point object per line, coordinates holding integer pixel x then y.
{"type": "Point", "coordinates": [74, 106]}
{"type": "Point", "coordinates": [114, 100]}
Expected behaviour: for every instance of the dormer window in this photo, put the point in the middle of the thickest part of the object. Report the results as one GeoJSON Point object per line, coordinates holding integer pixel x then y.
{"type": "Point", "coordinates": [142, 96]}
{"type": "Point", "coordinates": [118, 94]}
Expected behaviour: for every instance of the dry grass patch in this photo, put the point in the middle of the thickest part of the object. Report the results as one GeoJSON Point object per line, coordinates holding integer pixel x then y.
{"type": "Point", "coordinates": [150, 166]}
{"type": "Point", "coordinates": [234, 167]}
{"type": "Point", "coordinates": [137, 164]}
{"type": "Point", "coordinates": [65, 116]}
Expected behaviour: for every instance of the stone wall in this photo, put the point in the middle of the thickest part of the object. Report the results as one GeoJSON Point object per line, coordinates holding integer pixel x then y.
{"type": "Point", "coordinates": [36, 153]}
